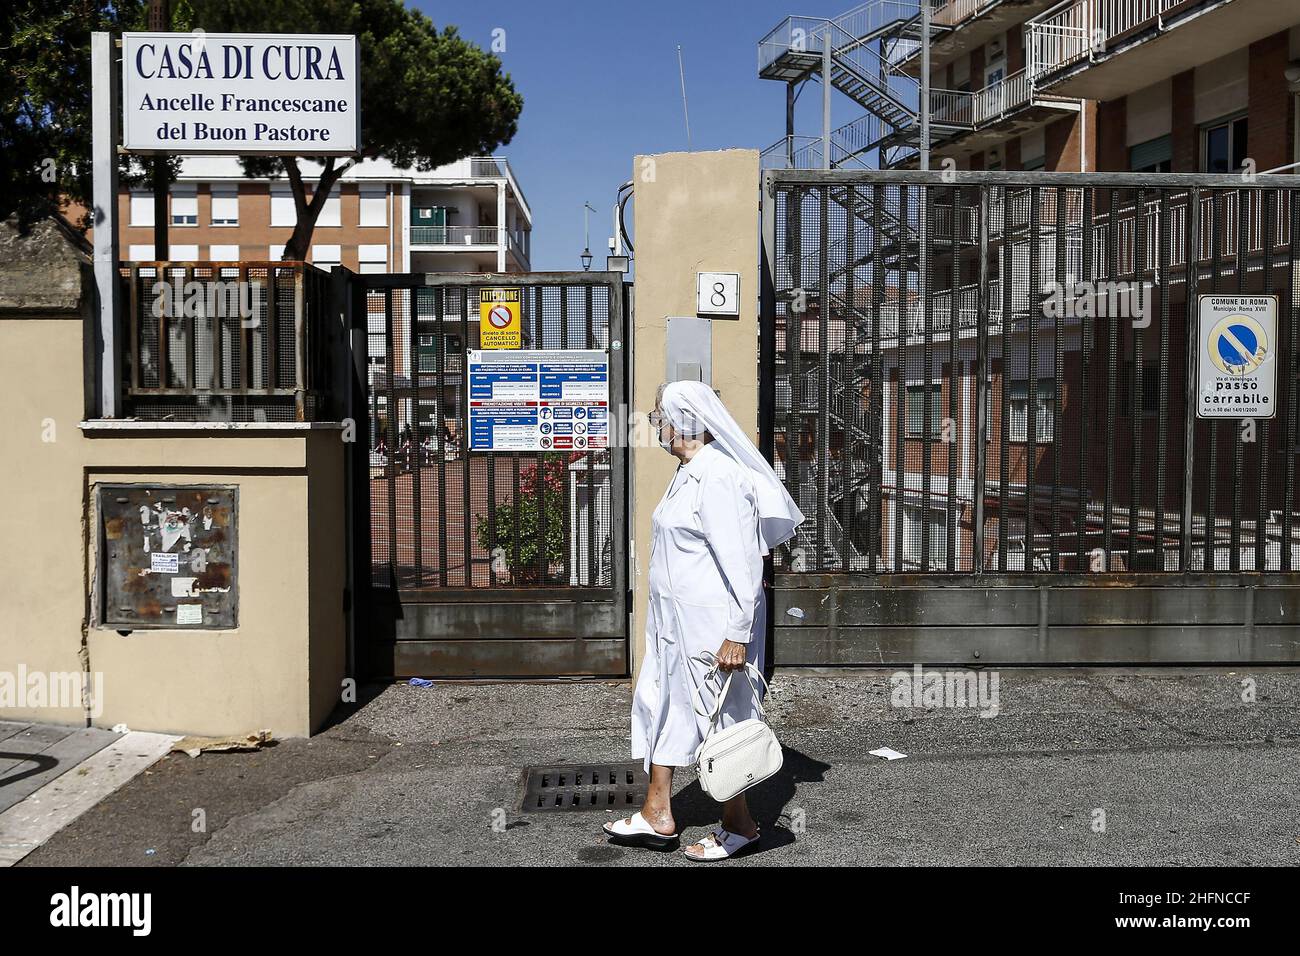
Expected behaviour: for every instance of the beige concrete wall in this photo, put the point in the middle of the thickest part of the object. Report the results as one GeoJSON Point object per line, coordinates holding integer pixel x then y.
{"type": "Point", "coordinates": [695, 212]}
{"type": "Point", "coordinates": [281, 668]}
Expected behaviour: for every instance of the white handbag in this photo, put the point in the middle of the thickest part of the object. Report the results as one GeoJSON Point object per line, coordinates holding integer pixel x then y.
{"type": "Point", "coordinates": [731, 760]}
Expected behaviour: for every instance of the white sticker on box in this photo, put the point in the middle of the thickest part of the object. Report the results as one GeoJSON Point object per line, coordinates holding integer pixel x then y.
{"type": "Point", "coordinates": [164, 562]}
{"type": "Point", "coordinates": [183, 587]}
{"type": "Point", "coordinates": [189, 613]}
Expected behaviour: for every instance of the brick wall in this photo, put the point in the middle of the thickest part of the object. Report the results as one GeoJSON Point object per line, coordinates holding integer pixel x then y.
{"type": "Point", "coordinates": [1112, 133]}
{"type": "Point", "coordinates": [1272, 118]}
{"type": "Point", "coordinates": [1184, 148]}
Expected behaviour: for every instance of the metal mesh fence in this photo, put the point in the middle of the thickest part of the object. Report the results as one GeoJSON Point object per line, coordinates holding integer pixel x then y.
{"type": "Point", "coordinates": [225, 341]}
{"type": "Point", "coordinates": [443, 517]}
{"type": "Point", "coordinates": [993, 377]}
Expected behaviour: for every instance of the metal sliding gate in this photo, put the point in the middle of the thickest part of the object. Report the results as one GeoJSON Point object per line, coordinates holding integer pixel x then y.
{"type": "Point", "coordinates": [481, 563]}
{"type": "Point", "coordinates": [981, 388]}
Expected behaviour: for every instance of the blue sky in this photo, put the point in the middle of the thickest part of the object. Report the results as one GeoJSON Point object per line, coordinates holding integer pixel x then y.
{"type": "Point", "coordinates": [600, 84]}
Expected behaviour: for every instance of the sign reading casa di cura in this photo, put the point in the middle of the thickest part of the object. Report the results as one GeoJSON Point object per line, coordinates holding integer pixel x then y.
{"type": "Point", "coordinates": [240, 93]}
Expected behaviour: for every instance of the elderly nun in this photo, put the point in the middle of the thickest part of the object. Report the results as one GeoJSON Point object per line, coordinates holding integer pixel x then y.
{"type": "Point", "coordinates": [722, 512]}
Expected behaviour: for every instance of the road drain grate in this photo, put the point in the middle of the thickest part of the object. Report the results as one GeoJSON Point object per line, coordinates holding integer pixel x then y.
{"type": "Point", "coordinates": [602, 786]}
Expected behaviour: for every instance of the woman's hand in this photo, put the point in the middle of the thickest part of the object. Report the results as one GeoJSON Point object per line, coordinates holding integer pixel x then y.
{"type": "Point", "coordinates": [731, 656]}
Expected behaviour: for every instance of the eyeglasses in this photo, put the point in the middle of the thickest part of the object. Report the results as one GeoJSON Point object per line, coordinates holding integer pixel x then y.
{"type": "Point", "coordinates": [656, 419]}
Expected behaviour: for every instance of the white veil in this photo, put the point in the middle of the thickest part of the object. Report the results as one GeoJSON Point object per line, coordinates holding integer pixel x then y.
{"type": "Point", "coordinates": [692, 408]}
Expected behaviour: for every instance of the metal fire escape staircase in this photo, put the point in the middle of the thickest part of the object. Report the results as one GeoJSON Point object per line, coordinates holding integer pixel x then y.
{"type": "Point", "coordinates": [864, 47]}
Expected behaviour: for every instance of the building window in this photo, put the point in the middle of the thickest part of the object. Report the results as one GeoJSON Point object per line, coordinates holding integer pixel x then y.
{"type": "Point", "coordinates": [1019, 410]}
{"type": "Point", "coordinates": [916, 410]}
{"type": "Point", "coordinates": [225, 205]}
{"type": "Point", "coordinates": [223, 253]}
{"type": "Point", "coordinates": [185, 253]}
{"type": "Point", "coordinates": [1223, 146]}
{"type": "Point", "coordinates": [141, 208]}
{"type": "Point", "coordinates": [185, 206]}
{"type": "Point", "coordinates": [140, 253]}
{"type": "Point", "coordinates": [1153, 156]}
{"type": "Point", "coordinates": [373, 206]}
{"type": "Point", "coordinates": [329, 213]}
{"type": "Point", "coordinates": [372, 258]}
{"type": "Point", "coordinates": [275, 253]}
{"type": "Point", "coordinates": [326, 257]}
{"type": "Point", "coordinates": [912, 524]}
{"type": "Point", "coordinates": [283, 212]}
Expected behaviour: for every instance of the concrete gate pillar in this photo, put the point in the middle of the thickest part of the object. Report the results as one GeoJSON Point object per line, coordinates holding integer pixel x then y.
{"type": "Point", "coordinates": [694, 212]}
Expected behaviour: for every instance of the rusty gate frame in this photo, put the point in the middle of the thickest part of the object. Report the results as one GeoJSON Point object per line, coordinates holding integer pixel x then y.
{"type": "Point", "coordinates": [502, 632]}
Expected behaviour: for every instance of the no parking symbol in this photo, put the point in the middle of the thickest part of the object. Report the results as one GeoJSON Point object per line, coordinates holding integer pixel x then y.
{"type": "Point", "coordinates": [1237, 371]}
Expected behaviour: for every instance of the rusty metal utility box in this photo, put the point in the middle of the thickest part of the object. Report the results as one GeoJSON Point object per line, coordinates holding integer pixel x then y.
{"type": "Point", "coordinates": [168, 556]}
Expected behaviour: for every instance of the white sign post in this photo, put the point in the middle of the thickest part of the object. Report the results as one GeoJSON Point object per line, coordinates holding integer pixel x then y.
{"type": "Point", "coordinates": [1237, 344]}
{"type": "Point", "coordinates": [240, 94]}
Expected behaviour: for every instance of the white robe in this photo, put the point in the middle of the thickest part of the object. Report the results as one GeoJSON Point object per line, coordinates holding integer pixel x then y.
{"type": "Point", "coordinates": [706, 585]}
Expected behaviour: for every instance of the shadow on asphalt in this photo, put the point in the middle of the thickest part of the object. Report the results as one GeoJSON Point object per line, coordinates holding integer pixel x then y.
{"type": "Point", "coordinates": [692, 807]}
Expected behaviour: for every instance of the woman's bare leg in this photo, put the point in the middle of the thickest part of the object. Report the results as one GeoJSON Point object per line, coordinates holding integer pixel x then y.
{"type": "Point", "coordinates": [735, 819]}
{"type": "Point", "coordinates": [657, 809]}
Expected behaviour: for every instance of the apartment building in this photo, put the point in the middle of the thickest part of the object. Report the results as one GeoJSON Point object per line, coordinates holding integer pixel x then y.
{"type": "Point", "coordinates": [1074, 86]}
{"type": "Point", "coordinates": [469, 216]}
{"type": "Point", "coordinates": [1080, 455]}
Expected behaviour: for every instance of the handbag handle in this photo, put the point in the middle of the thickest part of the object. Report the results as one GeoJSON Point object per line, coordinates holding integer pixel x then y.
{"type": "Point", "coordinates": [709, 658]}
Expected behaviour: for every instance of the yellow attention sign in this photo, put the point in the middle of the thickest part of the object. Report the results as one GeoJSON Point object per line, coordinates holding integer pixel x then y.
{"type": "Point", "coordinates": [500, 324]}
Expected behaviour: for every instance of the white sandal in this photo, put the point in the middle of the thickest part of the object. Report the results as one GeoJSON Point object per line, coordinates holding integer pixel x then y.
{"type": "Point", "coordinates": [638, 832]}
{"type": "Point", "coordinates": [721, 844]}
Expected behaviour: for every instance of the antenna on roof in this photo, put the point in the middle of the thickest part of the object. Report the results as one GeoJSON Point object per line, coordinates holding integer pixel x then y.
{"type": "Point", "coordinates": [681, 70]}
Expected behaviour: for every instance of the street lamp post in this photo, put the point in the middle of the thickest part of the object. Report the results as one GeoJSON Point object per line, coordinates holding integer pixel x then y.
{"type": "Point", "coordinates": [587, 210]}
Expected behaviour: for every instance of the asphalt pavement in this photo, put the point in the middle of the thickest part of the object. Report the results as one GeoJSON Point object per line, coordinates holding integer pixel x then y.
{"type": "Point", "coordinates": [1091, 767]}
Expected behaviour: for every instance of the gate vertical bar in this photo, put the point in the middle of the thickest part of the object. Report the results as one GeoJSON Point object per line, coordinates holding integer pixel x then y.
{"type": "Point", "coordinates": [1165, 281]}
{"type": "Point", "coordinates": [1035, 306]}
{"type": "Point", "coordinates": [1238, 463]}
{"type": "Point", "coordinates": [465, 536]}
{"type": "Point", "coordinates": [1112, 376]}
{"type": "Point", "coordinates": [1267, 197]}
{"type": "Point", "coordinates": [592, 497]}
{"type": "Point", "coordinates": [1137, 403]}
{"type": "Point", "coordinates": [1062, 196]}
{"type": "Point", "coordinates": [390, 402]}
{"type": "Point", "coordinates": [823, 370]}
{"type": "Point", "coordinates": [900, 399]}
{"type": "Point", "coordinates": [1211, 509]}
{"type": "Point", "coordinates": [1291, 380]}
{"type": "Point", "coordinates": [417, 446]}
{"type": "Point", "coordinates": [954, 325]}
{"type": "Point", "coordinates": [981, 382]}
{"type": "Point", "coordinates": [875, 516]}
{"type": "Point", "coordinates": [1004, 417]}
{"type": "Point", "coordinates": [1082, 556]}
{"type": "Point", "coordinates": [929, 402]}
{"type": "Point", "coordinates": [1193, 247]}
{"type": "Point", "coordinates": [440, 377]}
{"type": "Point", "coordinates": [850, 390]}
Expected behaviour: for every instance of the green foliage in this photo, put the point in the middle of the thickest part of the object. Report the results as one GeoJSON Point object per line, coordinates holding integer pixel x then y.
{"type": "Point", "coordinates": [45, 118]}
{"type": "Point", "coordinates": [541, 490]}
{"type": "Point", "coordinates": [428, 97]}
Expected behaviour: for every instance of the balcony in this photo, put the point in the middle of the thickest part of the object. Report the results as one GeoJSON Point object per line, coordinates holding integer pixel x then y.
{"type": "Point", "coordinates": [960, 26]}
{"type": "Point", "coordinates": [476, 239]}
{"type": "Point", "coordinates": [1090, 48]}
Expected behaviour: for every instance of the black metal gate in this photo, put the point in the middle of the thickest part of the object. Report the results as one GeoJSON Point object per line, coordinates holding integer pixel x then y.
{"type": "Point", "coordinates": [981, 389]}
{"type": "Point", "coordinates": [482, 563]}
